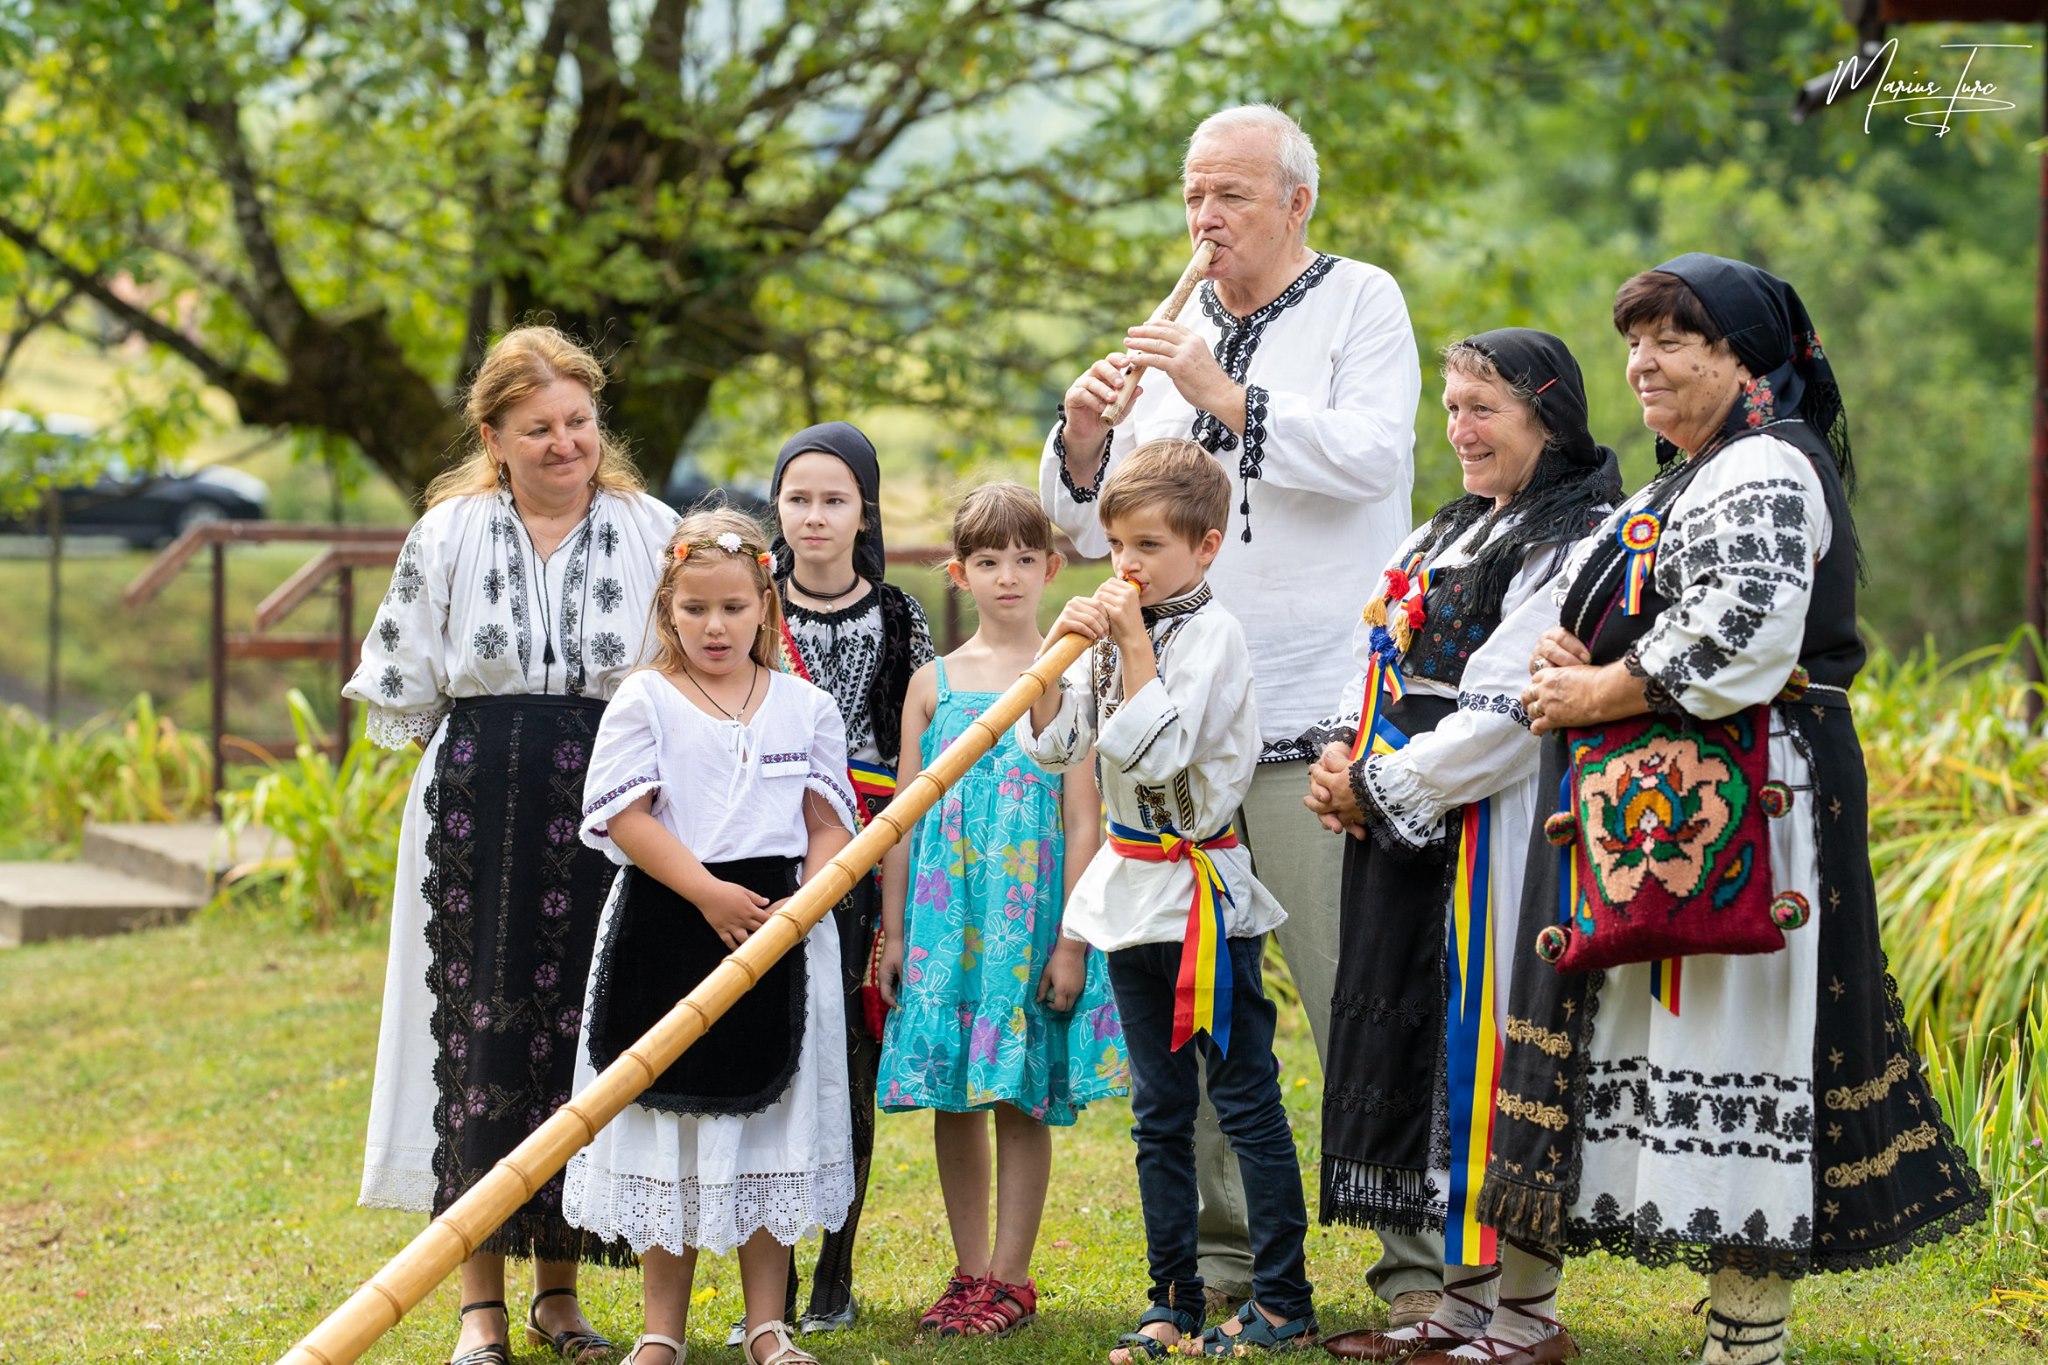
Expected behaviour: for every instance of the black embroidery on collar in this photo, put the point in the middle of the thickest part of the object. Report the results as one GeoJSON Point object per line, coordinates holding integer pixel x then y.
{"type": "Point", "coordinates": [1179, 606]}
{"type": "Point", "coordinates": [1237, 341]}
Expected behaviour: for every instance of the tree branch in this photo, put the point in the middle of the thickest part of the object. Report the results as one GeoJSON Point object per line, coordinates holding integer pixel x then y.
{"type": "Point", "coordinates": [89, 283]}
{"type": "Point", "coordinates": [280, 312]}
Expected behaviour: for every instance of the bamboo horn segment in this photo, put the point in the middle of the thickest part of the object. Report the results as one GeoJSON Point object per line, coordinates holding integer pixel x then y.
{"type": "Point", "coordinates": [450, 1239]}
{"type": "Point", "coordinates": [1168, 309]}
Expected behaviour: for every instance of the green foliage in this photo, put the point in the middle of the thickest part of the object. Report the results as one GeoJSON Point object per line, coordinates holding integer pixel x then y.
{"type": "Point", "coordinates": [340, 822]}
{"type": "Point", "coordinates": [137, 766]}
{"type": "Point", "coordinates": [1959, 830]}
{"type": "Point", "coordinates": [323, 211]}
{"type": "Point", "coordinates": [1994, 1088]}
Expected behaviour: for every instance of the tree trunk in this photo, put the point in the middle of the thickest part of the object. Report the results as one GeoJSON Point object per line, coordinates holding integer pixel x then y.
{"type": "Point", "coordinates": [53, 693]}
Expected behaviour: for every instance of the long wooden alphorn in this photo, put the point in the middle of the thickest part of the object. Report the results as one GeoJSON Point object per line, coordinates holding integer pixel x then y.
{"type": "Point", "coordinates": [1168, 309]}
{"type": "Point", "coordinates": [452, 1238]}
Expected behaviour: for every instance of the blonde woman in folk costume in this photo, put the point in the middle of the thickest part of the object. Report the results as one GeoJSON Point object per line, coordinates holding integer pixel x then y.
{"type": "Point", "coordinates": [519, 604]}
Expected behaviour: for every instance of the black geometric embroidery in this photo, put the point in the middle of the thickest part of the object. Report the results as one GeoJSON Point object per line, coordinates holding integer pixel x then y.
{"type": "Point", "coordinates": [608, 538]}
{"type": "Point", "coordinates": [490, 640]}
{"type": "Point", "coordinates": [494, 586]}
{"type": "Point", "coordinates": [608, 649]}
{"type": "Point", "coordinates": [608, 594]}
{"type": "Point", "coordinates": [387, 631]}
{"type": "Point", "coordinates": [391, 682]}
{"type": "Point", "coordinates": [1237, 341]}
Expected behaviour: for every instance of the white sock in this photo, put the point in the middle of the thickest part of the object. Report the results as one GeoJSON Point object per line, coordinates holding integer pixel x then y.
{"type": "Point", "coordinates": [1746, 1318]}
{"type": "Point", "coordinates": [1527, 1301]}
{"type": "Point", "coordinates": [1453, 1315]}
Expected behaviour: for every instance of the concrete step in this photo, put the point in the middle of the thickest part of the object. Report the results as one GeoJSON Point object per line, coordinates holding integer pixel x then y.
{"type": "Point", "coordinates": [42, 901]}
{"type": "Point", "coordinates": [188, 857]}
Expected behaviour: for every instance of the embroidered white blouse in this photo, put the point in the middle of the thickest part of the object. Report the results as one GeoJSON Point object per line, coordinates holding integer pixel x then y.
{"type": "Point", "coordinates": [472, 611]}
{"type": "Point", "coordinates": [726, 790]}
{"type": "Point", "coordinates": [1736, 559]}
{"type": "Point", "coordinates": [1180, 753]}
{"type": "Point", "coordinates": [1485, 746]}
{"type": "Point", "coordinates": [1325, 468]}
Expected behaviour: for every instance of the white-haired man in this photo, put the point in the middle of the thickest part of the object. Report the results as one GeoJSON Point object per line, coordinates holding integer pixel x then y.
{"type": "Point", "coordinates": [1297, 370]}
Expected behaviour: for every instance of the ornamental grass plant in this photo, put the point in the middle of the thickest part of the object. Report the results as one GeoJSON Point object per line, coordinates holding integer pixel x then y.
{"type": "Point", "coordinates": [338, 822]}
{"type": "Point", "coordinates": [137, 765]}
{"type": "Point", "coordinates": [1958, 766]}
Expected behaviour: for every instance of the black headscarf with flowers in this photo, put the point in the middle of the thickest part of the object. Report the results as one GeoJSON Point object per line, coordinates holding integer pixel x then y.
{"type": "Point", "coordinates": [1763, 321]}
{"type": "Point", "coordinates": [1575, 477]}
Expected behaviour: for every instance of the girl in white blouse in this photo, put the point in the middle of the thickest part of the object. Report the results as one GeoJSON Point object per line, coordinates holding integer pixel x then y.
{"type": "Point", "coordinates": [714, 777]}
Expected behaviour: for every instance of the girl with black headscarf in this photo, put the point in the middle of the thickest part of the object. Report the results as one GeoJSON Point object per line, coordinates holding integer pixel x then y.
{"type": "Point", "coordinates": [860, 639]}
{"type": "Point", "coordinates": [1747, 1102]}
{"type": "Point", "coordinates": [1437, 792]}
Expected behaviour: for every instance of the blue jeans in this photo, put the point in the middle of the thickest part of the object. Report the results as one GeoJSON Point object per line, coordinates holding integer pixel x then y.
{"type": "Point", "coordinates": [1244, 1087]}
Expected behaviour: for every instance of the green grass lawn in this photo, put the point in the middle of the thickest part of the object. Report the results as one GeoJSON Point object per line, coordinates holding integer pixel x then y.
{"type": "Point", "coordinates": [181, 1119]}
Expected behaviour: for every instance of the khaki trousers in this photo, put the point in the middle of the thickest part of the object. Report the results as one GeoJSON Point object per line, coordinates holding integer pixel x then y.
{"type": "Point", "coordinates": [1301, 863]}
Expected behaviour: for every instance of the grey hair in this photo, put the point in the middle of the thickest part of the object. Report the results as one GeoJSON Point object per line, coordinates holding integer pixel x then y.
{"type": "Point", "coordinates": [1463, 357]}
{"type": "Point", "coordinates": [1295, 155]}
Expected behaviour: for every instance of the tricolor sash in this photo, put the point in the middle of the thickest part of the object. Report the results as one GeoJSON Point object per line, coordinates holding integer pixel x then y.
{"type": "Point", "coordinates": [1201, 993]}
{"type": "Point", "coordinates": [1472, 1041]}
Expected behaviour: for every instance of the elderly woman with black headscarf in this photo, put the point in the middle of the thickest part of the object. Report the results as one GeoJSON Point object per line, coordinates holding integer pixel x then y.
{"type": "Point", "coordinates": [1706, 1060]}
{"type": "Point", "coordinates": [1438, 790]}
{"type": "Point", "coordinates": [860, 639]}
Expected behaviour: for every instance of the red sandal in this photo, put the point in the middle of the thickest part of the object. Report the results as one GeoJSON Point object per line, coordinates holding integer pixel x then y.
{"type": "Point", "coordinates": [995, 1309]}
{"type": "Point", "coordinates": [959, 1290]}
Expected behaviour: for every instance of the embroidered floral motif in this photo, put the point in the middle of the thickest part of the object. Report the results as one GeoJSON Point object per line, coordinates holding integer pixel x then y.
{"type": "Point", "coordinates": [608, 594]}
{"type": "Point", "coordinates": [391, 682]}
{"type": "Point", "coordinates": [490, 640]}
{"type": "Point", "coordinates": [1759, 404]}
{"type": "Point", "coordinates": [387, 631]}
{"type": "Point", "coordinates": [494, 586]}
{"type": "Point", "coordinates": [608, 649]}
{"type": "Point", "coordinates": [608, 538]}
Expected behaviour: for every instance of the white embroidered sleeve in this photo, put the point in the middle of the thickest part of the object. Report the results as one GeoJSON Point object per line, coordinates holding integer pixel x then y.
{"type": "Point", "coordinates": [1066, 741]}
{"type": "Point", "coordinates": [828, 776]}
{"type": "Point", "coordinates": [1737, 561]}
{"type": "Point", "coordinates": [625, 763]}
{"type": "Point", "coordinates": [402, 677]}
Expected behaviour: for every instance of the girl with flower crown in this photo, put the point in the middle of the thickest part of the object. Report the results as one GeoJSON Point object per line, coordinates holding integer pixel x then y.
{"type": "Point", "coordinates": [717, 783]}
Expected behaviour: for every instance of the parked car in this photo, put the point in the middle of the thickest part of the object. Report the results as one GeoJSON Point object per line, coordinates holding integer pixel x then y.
{"type": "Point", "coordinates": [689, 486]}
{"type": "Point", "coordinates": [143, 508]}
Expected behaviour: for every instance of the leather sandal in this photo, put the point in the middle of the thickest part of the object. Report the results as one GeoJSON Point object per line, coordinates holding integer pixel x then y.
{"type": "Point", "coordinates": [786, 1351]}
{"type": "Point", "coordinates": [491, 1352]}
{"type": "Point", "coordinates": [1257, 1334]}
{"type": "Point", "coordinates": [1136, 1345]}
{"type": "Point", "coordinates": [1556, 1347]}
{"type": "Point", "coordinates": [959, 1289]}
{"type": "Point", "coordinates": [994, 1309]}
{"type": "Point", "coordinates": [1430, 1335]}
{"type": "Point", "coordinates": [676, 1348]}
{"type": "Point", "coordinates": [573, 1345]}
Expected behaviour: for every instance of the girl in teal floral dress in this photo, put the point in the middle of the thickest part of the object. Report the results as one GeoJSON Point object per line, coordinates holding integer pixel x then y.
{"type": "Point", "coordinates": [993, 1008]}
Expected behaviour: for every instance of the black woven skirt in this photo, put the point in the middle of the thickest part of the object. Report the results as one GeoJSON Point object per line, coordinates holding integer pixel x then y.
{"type": "Point", "coordinates": [513, 900]}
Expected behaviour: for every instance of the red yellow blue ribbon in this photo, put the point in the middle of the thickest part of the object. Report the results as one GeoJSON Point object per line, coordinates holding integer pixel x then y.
{"type": "Point", "coordinates": [1472, 1037]}
{"type": "Point", "coordinates": [871, 781]}
{"type": "Point", "coordinates": [1666, 976]}
{"type": "Point", "coordinates": [1377, 734]}
{"type": "Point", "coordinates": [1201, 991]}
{"type": "Point", "coordinates": [1639, 535]}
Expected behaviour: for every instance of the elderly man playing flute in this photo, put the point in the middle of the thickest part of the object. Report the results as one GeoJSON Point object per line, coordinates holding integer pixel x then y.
{"type": "Point", "coordinates": [1298, 371]}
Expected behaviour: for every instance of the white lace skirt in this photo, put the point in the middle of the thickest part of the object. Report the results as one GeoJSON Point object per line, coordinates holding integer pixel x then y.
{"type": "Point", "coordinates": [678, 1181]}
